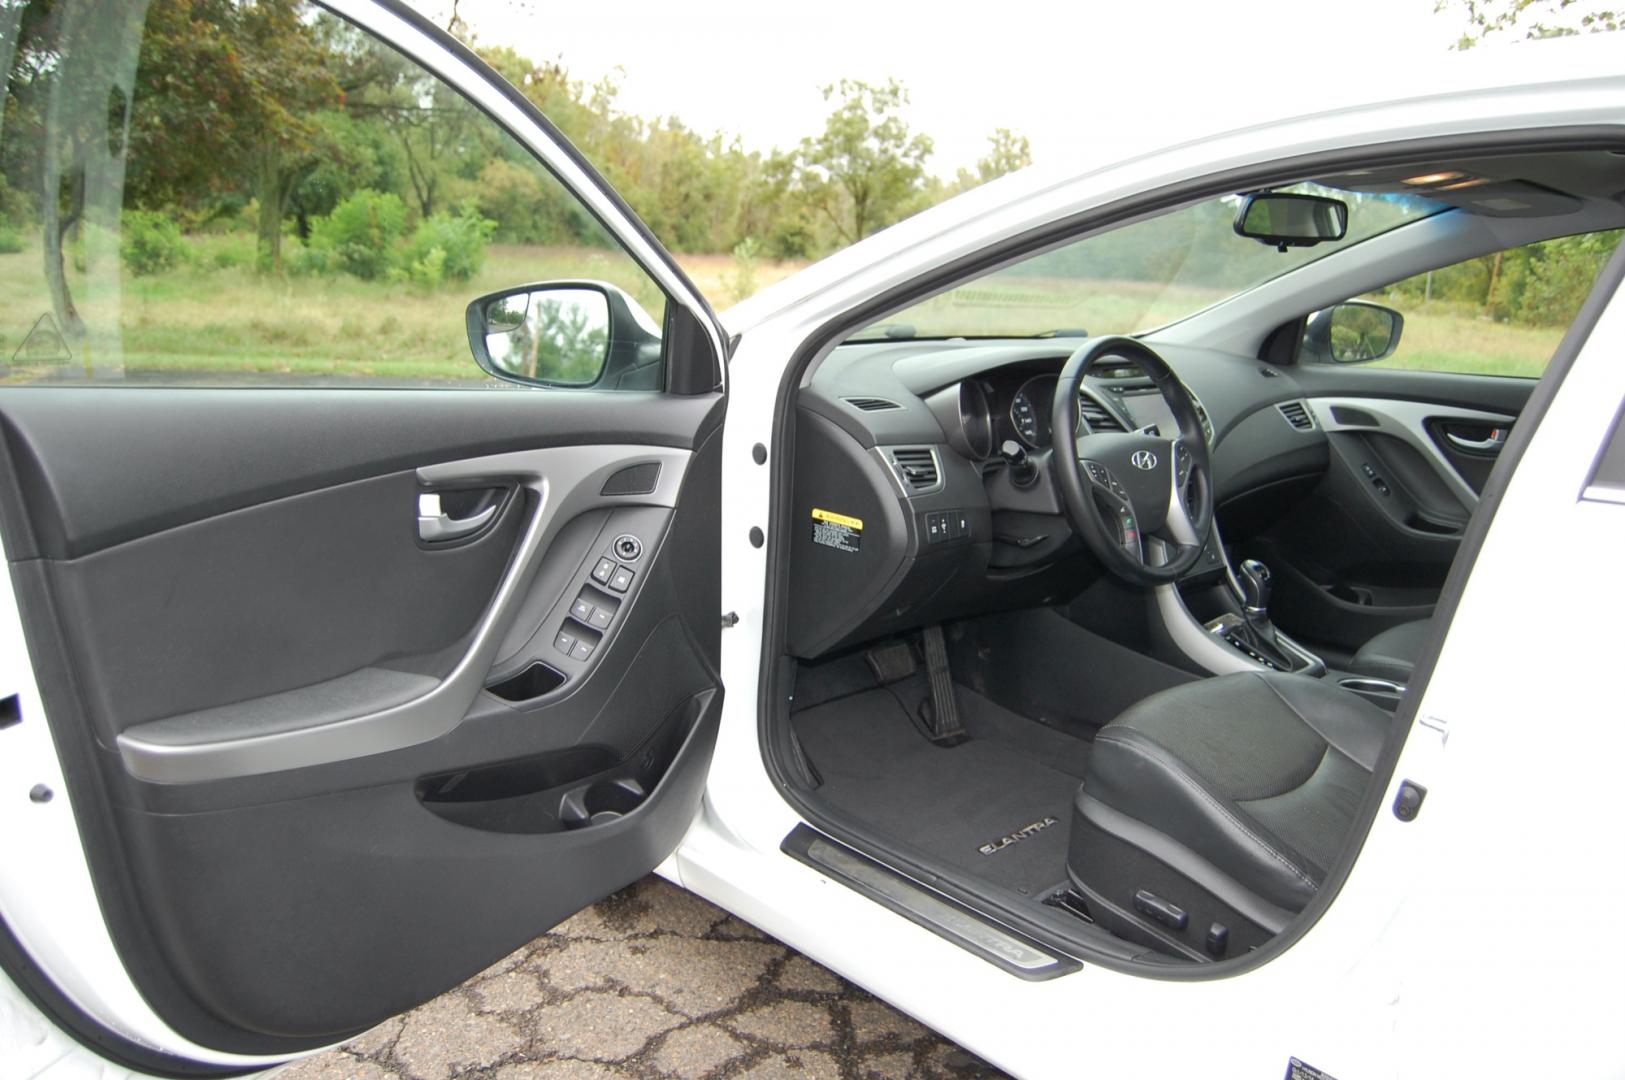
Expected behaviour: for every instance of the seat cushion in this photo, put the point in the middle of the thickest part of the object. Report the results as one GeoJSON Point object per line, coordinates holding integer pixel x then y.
{"type": "Point", "coordinates": [1245, 783]}
{"type": "Point", "coordinates": [1392, 654]}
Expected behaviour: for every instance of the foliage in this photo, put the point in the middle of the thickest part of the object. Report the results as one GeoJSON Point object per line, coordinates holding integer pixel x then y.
{"type": "Point", "coordinates": [448, 248]}
{"type": "Point", "coordinates": [11, 240]}
{"type": "Point", "coordinates": [1541, 284]}
{"type": "Point", "coordinates": [865, 170]}
{"type": "Point", "coordinates": [359, 237]}
{"type": "Point", "coordinates": [1489, 17]}
{"type": "Point", "coordinates": [150, 242]}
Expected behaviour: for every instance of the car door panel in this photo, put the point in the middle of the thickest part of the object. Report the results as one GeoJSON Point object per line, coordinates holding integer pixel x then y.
{"type": "Point", "coordinates": [1371, 545]}
{"type": "Point", "coordinates": [209, 577]}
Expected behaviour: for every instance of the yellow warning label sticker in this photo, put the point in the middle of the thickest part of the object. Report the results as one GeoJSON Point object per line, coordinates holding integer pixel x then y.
{"type": "Point", "coordinates": [839, 531]}
{"type": "Point", "coordinates": [838, 519]}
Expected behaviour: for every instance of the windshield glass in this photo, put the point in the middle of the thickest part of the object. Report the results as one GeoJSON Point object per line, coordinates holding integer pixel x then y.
{"type": "Point", "coordinates": [1135, 278]}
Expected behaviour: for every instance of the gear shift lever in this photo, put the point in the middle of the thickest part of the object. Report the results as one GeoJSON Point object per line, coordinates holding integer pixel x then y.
{"type": "Point", "coordinates": [1255, 580]}
{"type": "Point", "coordinates": [1257, 633]}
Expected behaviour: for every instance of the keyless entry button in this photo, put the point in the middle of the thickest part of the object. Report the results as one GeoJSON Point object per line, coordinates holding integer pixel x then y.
{"type": "Point", "coordinates": [604, 571]}
{"type": "Point", "coordinates": [621, 580]}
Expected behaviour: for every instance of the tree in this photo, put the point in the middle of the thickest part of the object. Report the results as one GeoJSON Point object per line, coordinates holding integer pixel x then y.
{"type": "Point", "coordinates": [1569, 17]}
{"type": "Point", "coordinates": [1006, 153]}
{"type": "Point", "coordinates": [865, 170]}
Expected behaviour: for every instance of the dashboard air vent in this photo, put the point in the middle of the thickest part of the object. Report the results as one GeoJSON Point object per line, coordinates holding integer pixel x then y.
{"type": "Point", "coordinates": [871, 404]}
{"type": "Point", "coordinates": [1097, 416]}
{"type": "Point", "coordinates": [916, 468]}
{"type": "Point", "coordinates": [1297, 414]}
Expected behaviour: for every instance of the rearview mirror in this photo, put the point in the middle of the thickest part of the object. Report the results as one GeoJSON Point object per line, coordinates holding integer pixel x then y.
{"type": "Point", "coordinates": [1285, 220]}
{"type": "Point", "coordinates": [561, 333]}
{"type": "Point", "coordinates": [1353, 332]}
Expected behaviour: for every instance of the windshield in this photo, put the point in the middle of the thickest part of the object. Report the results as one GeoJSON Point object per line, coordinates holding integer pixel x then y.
{"type": "Point", "coordinates": [1135, 278]}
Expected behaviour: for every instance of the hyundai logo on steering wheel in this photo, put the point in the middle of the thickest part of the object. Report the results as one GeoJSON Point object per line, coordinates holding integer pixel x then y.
{"type": "Point", "coordinates": [1143, 459]}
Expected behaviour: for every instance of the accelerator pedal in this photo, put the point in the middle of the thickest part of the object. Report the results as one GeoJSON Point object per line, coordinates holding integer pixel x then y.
{"type": "Point", "coordinates": [941, 712]}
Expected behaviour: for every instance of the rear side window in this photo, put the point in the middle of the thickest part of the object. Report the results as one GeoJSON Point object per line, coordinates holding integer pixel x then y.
{"type": "Point", "coordinates": [230, 193]}
{"type": "Point", "coordinates": [1500, 314]}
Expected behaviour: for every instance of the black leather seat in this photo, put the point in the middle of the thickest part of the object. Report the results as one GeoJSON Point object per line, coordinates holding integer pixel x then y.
{"type": "Point", "coordinates": [1392, 654]}
{"type": "Point", "coordinates": [1213, 810]}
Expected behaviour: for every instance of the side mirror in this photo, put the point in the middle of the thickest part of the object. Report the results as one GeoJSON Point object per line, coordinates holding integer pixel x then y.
{"type": "Point", "coordinates": [1283, 219]}
{"type": "Point", "coordinates": [563, 333]}
{"type": "Point", "coordinates": [1353, 332]}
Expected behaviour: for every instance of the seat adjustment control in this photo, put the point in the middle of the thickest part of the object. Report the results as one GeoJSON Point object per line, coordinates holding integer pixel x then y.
{"type": "Point", "coordinates": [1157, 909]}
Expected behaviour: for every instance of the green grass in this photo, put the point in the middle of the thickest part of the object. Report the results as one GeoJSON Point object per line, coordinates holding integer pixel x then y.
{"type": "Point", "coordinates": [216, 316]}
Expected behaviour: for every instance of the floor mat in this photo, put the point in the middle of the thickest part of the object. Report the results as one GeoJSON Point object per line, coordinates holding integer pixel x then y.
{"type": "Point", "coordinates": [979, 806]}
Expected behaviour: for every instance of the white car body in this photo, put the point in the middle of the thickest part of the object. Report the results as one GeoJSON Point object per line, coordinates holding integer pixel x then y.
{"type": "Point", "coordinates": [1476, 940]}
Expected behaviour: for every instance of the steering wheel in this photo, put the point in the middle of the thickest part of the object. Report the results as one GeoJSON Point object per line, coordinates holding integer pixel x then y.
{"type": "Point", "coordinates": [1120, 488]}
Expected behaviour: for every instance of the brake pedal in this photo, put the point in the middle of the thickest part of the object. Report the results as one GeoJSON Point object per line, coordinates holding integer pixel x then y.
{"type": "Point", "coordinates": [891, 663]}
{"type": "Point", "coordinates": [943, 707]}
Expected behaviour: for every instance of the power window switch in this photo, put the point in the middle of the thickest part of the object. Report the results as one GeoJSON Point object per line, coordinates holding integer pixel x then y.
{"type": "Point", "coordinates": [600, 618]}
{"type": "Point", "coordinates": [604, 571]}
{"type": "Point", "coordinates": [620, 580]}
{"type": "Point", "coordinates": [565, 642]}
{"type": "Point", "coordinates": [582, 650]}
{"type": "Point", "coordinates": [582, 610]}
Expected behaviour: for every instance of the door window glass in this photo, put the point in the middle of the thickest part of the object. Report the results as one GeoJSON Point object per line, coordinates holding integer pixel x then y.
{"type": "Point", "coordinates": [1500, 314]}
{"type": "Point", "coordinates": [258, 193]}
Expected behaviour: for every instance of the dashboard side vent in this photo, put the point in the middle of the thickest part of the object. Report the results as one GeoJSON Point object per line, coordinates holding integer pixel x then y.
{"type": "Point", "coordinates": [1097, 416]}
{"type": "Point", "coordinates": [872, 404]}
{"type": "Point", "coordinates": [916, 468]}
{"type": "Point", "coordinates": [1297, 414]}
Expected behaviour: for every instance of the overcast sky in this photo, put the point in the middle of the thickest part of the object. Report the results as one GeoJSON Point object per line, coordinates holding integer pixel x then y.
{"type": "Point", "coordinates": [1063, 74]}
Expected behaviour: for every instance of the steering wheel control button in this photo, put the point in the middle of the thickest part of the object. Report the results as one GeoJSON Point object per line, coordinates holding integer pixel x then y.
{"type": "Point", "coordinates": [604, 571]}
{"type": "Point", "coordinates": [627, 547]}
{"type": "Point", "coordinates": [565, 642]}
{"type": "Point", "coordinates": [600, 618]}
{"type": "Point", "coordinates": [582, 610]}
{"type": "Point", "coordinates": [620, 580]}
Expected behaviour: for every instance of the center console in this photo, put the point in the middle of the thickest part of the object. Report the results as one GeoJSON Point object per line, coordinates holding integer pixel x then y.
{"type": "Point", "coordinates": [1218, 619]}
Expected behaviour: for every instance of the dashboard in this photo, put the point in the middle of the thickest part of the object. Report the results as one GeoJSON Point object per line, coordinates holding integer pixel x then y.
{"type": "Point", "coordinates": [917, 442]}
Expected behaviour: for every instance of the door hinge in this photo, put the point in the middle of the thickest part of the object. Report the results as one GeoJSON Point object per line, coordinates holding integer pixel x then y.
{"type": "Point", "coordinates": [731, 619]}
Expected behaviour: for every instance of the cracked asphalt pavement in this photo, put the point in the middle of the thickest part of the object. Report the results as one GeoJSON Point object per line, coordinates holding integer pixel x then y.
{"type": "Point", "coordinates": [648, 984]}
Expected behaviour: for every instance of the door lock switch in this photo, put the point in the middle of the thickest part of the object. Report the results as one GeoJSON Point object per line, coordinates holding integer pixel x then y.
{"type": "Point", "coordinates": [604, 571]}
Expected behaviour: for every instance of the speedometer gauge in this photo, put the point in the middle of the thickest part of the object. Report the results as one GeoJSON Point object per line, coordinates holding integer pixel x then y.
{"type": "Point", "coordinates": [1030, 409]}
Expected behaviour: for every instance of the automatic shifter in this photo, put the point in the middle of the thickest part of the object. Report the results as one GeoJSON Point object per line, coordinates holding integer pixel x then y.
{"type": "Point", "coordinates": [1256, 633]}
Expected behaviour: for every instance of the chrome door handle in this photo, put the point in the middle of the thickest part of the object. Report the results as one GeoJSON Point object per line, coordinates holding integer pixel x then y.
{"type": "Point", "coordinates": [433, 525]}
{"type": "Point", "coordinates": [1496, 437]}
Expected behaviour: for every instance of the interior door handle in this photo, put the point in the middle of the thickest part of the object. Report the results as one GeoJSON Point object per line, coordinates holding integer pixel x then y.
{"type": "Point", "coordinates": [1490, 443]}
{"type": "Point", "coordinates": [434, 525]}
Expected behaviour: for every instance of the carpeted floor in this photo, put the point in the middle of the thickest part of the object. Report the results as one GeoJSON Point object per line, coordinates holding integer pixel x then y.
{"type": "Point", "coordinates": [951, 802]}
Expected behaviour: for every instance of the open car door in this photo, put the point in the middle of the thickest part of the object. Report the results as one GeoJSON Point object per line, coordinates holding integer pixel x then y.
{"type": "Point", "coordinates": [344, 684]}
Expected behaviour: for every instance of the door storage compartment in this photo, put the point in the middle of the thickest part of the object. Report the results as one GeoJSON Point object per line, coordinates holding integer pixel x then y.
{"type": "Point", "coordinates": [577, 788]}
